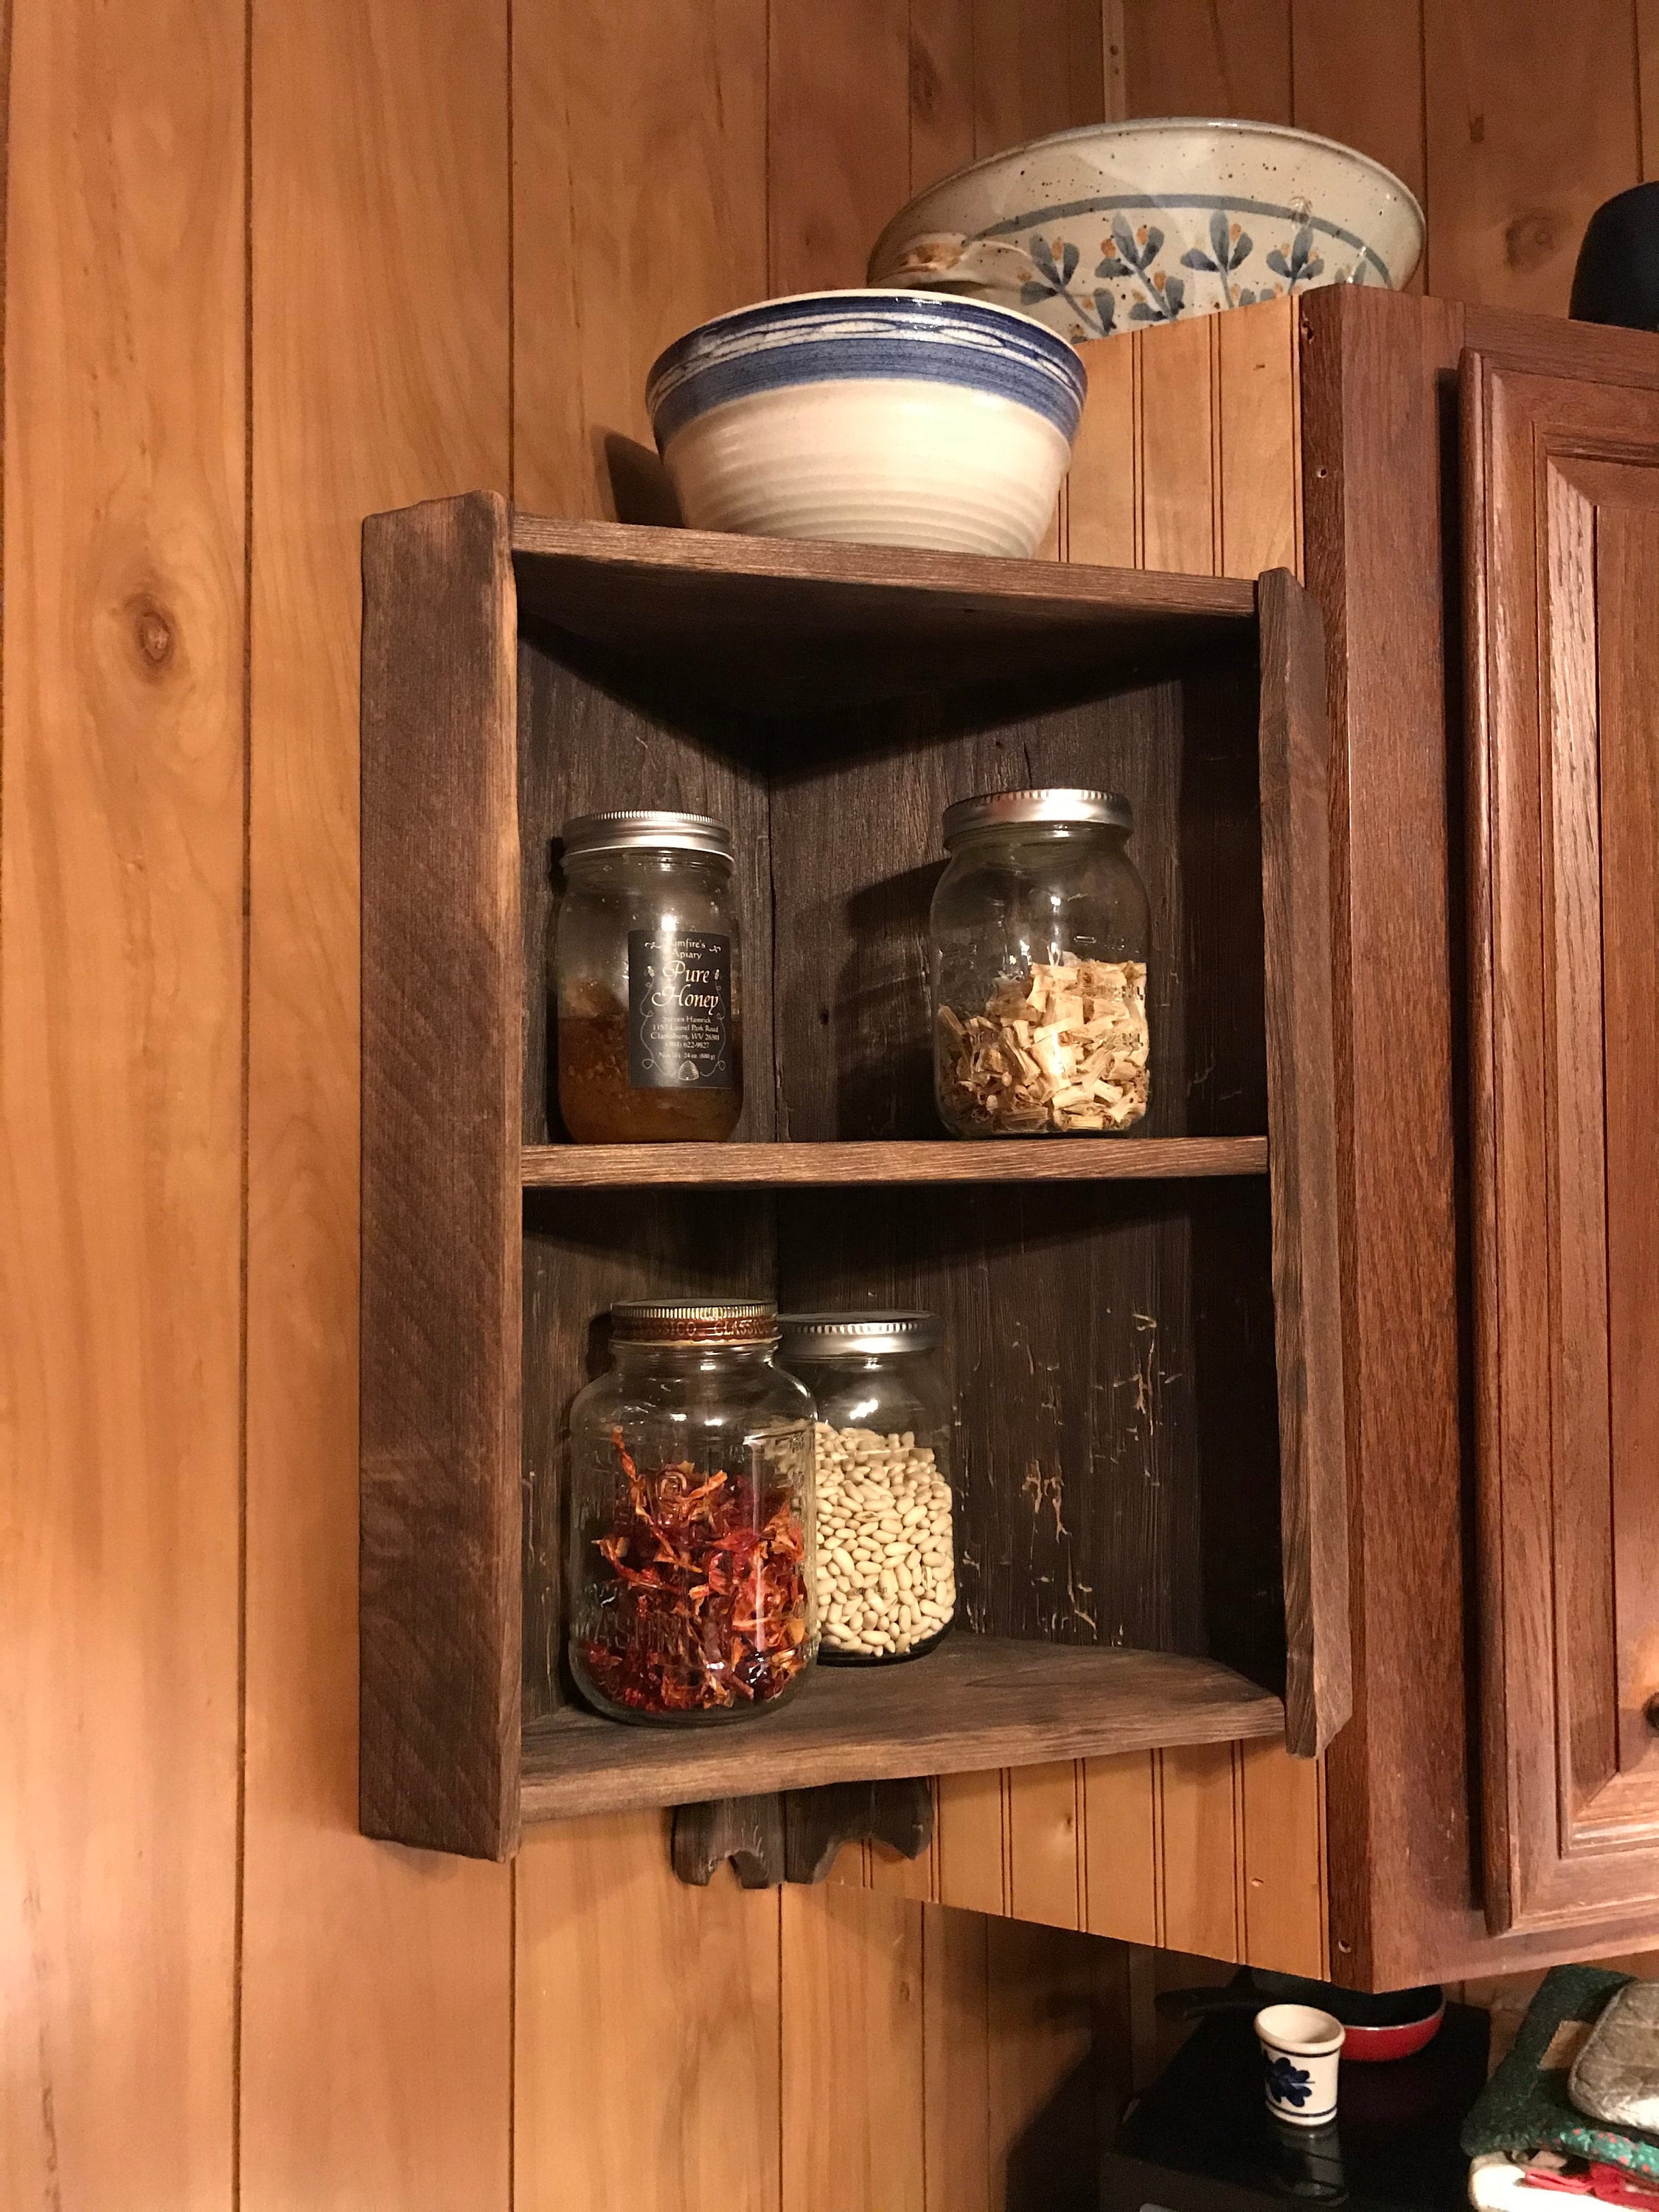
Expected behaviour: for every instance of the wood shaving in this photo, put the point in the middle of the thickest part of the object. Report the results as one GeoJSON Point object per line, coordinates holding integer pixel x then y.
{"type": "Point", "coordinates": [1063, 1049]}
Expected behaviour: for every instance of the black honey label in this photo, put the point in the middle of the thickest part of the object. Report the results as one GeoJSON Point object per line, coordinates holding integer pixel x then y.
{"type": "Point", "coordinates": [679, 1011]}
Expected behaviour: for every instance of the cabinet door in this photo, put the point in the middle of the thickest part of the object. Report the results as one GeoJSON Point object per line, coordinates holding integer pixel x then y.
{"type": "Point", "coordinates": [1562, 537]}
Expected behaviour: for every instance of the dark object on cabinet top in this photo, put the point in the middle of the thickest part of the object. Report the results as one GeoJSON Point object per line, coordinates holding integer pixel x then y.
{"type": "Point", "coordinates": [1617, 276]}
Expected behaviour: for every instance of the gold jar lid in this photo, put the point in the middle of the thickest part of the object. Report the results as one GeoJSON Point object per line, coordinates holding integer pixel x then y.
{"type": "Point", "coordinates": [686, 1320]}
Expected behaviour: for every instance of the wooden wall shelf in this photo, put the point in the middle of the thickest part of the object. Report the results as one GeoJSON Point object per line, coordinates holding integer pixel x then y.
{"type": "Point", "coordinates": [1060, 1159]}
{"type": "Point", "coordinates": [766, 625]}
{"type": "Point", "coordinates": [977, 1701]}
{"type": "Point", "coordinates": [1151, 1492]}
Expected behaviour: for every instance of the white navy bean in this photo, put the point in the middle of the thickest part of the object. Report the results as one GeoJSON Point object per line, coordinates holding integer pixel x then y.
{"type": "Point", "coordinates": [886, 1567]}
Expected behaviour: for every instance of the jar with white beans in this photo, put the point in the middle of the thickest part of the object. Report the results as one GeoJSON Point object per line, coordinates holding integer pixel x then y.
{"type": "Point", "coordinates": [886, 1553]}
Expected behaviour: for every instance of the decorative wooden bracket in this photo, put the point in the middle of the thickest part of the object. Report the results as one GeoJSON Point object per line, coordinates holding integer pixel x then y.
{"type": "Point", "coordinates": [793, 1835]}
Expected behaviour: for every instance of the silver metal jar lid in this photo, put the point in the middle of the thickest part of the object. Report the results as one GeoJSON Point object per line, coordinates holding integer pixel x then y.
{"type": "Point", "coordinates": [831, 1335]}
{"type": "Point", "coordinates": [648, 829]}
{"type": "Point", "coordinates": [998, 809]}
{"type": "Point", "coordinates": [695, 1321]}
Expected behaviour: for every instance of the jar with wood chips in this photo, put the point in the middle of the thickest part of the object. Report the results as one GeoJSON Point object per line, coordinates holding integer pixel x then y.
{"type": "Point", "coordinates": [886, 1553]}
{"type": "Point", "coordinates": [646, 981]}
{"type": "Point", "coordinates": [1040, 934]}
{"type": "Point", "coordinates": [690, 1588]}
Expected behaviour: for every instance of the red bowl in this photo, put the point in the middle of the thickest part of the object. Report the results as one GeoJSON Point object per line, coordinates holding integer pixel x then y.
{"type": "Point", "coordinates": [1367, 2046]}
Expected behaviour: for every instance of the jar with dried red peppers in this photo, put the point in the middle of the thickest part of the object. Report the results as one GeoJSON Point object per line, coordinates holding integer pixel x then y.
{"type": "Point", "coordinates": [691, 1589]}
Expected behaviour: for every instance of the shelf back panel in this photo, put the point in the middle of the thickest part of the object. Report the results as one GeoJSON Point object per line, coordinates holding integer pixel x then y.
{"type": "Point", "coordinates": [835, 819]}
{"type": "Point", "coordinates": [1117, 1443]}
{"type": "Point", "coordinates": [1116, 1455]}
{"type": "Point", "coordinates": [856, 853]}
{"type": "Point", "coordinates": [588, 747]}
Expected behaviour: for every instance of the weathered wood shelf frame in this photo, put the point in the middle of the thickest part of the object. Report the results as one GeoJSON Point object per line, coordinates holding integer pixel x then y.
{"type": "Point", "coordinates": [447, 1758]}
{"type": "Point", "coordinates": [1060, 1159]}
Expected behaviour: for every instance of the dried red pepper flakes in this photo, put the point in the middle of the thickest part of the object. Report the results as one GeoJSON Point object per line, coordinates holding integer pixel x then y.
{"type": "Point", "coordinates": [705, 1610]}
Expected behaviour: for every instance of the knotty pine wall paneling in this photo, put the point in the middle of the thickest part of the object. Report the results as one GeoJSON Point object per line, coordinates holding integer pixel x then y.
{"type": "Point", "coordinates": [1210, 57]}
{"type": "Point", "coordinates": [1357, 74]}
{"type": "Point", "coordinates": [1509, 133]}
{"type": "Point", "coordinates": [268, 268]}
{"type": "Point", "coordinates": [121, 1012]}
{"type": "Point", "coordinates": [376, 2032]}
{"type": "Point", "coordinates": [649, 2029]}
{"type": "Point", "coordinates": [639, 200]}
{"type": "Point", "coordinates": [1526, 133]}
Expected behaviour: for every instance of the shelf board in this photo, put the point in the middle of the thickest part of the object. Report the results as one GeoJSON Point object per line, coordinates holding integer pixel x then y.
{"type": "Point", "coordinates": [1012, 1159]}
{"type": "Point", "coordinates": [790, 625]}
{"type": "Point", "coordinates": [976, 1703]}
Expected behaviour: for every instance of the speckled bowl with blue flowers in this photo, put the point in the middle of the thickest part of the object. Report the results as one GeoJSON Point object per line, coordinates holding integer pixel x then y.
{"type": "Point", "coordinates": [1119, 226]}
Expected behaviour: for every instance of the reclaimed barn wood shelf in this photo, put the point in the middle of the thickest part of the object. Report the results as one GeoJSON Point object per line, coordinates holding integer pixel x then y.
{"type": "Point", "coordinates": [613, 1167]}
{"type": "Point", "coordinates": [977, 1701]}
{"type": "Point", "coordinates": [779, 625]}
{"type": "Point", "coordinates": [1151, 1497]}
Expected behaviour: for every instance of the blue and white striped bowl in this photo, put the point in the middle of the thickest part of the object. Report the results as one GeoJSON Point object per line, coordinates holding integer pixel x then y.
{"type": "Point", "coordinates": [887, 417]}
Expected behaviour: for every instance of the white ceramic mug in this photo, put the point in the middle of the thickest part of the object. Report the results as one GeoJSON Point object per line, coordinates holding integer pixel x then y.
{"type": "Point", "coordinates": [1300, 2049]}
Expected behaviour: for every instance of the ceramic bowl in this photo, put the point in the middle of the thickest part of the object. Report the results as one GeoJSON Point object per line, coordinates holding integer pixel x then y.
{"type": "Point", "coordinates": [1121, 225]}
{"type": "Point", "coordinates": [892, 418]}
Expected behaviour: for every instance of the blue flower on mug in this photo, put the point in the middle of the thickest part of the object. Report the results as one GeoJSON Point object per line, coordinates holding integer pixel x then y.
{"type": "Point", "coordinates": [1288, 2083]}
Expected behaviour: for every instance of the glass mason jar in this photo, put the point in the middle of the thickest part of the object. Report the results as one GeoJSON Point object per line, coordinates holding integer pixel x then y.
{"type": "Point", "coordinates": [690, 1587]}
{"type": "Point", "coordinates": [886, 1551]}
{"type": "Point", "coordinates": [646, 983]}
{"type": "Point", "coordinates": [1040, 943]}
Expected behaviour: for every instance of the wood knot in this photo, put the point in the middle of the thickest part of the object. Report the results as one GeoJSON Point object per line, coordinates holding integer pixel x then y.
{"type": "Point", "coordinates": [924, 82]}
{"type": "Point", "coordinates": [1528, 241]}
{"type": "Point", "coordinates": [152, 633]}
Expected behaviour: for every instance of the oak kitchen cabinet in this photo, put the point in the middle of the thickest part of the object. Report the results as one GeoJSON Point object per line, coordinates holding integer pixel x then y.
{"type": "Point", "coordinates": [1561, 474]}
{"type": "Point", "coordinates": [1487, 570]}
{"type": "Point", "coordinates": [1493, 1801]}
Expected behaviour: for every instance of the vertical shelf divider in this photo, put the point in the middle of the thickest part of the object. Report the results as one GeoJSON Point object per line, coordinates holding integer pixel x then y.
{"type": "Point", "coordinates": [441, 1592]}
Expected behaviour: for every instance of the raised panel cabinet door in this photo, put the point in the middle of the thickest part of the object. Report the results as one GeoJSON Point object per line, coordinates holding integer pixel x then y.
{"type": "Point", "coordinates": [1561, 486]}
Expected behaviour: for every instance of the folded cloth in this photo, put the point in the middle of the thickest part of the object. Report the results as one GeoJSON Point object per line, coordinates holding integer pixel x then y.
{"type": "Point", "coordinates": [1525, 2106]}
{"type": "Point", "coordinates": [1615, 2077]}
{"type": "Point", "coordinates": [1615, 2185]}
{"type": "Point", "coordinates": [1497, 2184]}
{"type": "Point", "coordinates": [1551, 2169]}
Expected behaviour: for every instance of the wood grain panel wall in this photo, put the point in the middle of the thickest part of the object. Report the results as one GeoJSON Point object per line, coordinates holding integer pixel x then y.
{"type": "Point", "coordinates": [268, 266]}
{"type": "Point", "coordinates": [122, 1017]}
{"type": "Point", "coordinates": [375, 2044]}
{"type": "Point", "coordinates": [1509, 133]}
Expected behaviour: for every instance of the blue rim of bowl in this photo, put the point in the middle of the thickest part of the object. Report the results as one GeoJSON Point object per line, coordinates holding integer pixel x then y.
{"type": "Point", "coordinates": [1149, 126]}
{"type": "Point", "coordinates": [823, 337]}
